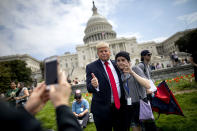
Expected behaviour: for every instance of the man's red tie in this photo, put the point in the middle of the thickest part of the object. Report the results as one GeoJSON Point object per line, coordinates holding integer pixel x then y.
{"type": "Point", "coordinates": [113, 86]}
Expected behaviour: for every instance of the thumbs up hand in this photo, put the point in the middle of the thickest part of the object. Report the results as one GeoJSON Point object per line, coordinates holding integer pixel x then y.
{"type": "Point", "coordinates": [94, 81]}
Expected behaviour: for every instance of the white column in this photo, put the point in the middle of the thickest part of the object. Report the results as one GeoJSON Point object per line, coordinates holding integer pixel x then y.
{"type": "Point", "coordinates": [92, 38]}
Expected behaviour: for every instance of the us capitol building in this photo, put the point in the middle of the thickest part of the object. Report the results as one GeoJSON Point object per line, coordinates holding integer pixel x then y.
{"type": "Point", "coordinates": [99, 29]}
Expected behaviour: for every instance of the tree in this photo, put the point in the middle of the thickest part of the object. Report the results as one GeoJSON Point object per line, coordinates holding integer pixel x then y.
{"type": "Point", "coordinates": [187, 42]}
{"type": "Point", "coordinates": [15, 70]}
{"type": "Point", "coordinates": [5, 77]}
{"type": "Point", "coordinates": [42, 68]}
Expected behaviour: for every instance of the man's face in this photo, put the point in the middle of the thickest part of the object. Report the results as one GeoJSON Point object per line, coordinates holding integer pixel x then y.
{"type": "Point", "coordinates": [103, 53]}
{"type": "Point", "coordinates": [147, 57]}
{"type": "Point", "coordinates": [13, 85]}
{"type": "Point", "coordinates": [121, 62]}
{"type": "Point", "coordinates": [78, 100]}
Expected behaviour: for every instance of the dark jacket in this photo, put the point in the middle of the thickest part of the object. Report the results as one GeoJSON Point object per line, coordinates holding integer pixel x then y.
{"type": "Point", "coordinates": [101, 100]}
{"type": "Point", "coordinates": [13, 119]}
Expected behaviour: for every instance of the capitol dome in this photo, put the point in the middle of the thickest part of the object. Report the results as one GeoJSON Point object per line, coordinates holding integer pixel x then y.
{"type": "Point", "coordinates": [98, 28]}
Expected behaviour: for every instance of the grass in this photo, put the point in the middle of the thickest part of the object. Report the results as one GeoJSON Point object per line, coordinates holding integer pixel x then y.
{"type": "Point", "coordinates": [47, 116]}
{"type": "Point", "coordinates": [187, 101]}
{"type": "Point", "coordinates": [184, 82]}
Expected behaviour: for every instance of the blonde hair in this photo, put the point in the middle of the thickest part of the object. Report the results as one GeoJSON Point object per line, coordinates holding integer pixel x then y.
{"type": "Point", "coordinates": [102, 45]}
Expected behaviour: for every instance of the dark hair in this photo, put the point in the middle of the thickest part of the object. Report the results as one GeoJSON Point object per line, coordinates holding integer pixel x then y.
{"type": "Point", "coordinates": [77, 95]}
{"type": "Point", "coordinates": [142, 58]}
{"type": "Point", "coordinates": [21, 84]}
{"type": "Point", "coordinates": [13, 81]}
{"type": "Point", "coordinates": [123, 54]}
{"type": "Point", "coordinates": [145, 52]}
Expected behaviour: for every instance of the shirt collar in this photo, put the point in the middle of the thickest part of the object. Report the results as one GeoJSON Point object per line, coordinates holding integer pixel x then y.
{"type": "Point", "coordinates": [103, 62]}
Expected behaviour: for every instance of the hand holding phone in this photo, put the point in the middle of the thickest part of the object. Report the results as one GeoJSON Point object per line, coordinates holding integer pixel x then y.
{"type": "Point", "coordinates": [51, 71]}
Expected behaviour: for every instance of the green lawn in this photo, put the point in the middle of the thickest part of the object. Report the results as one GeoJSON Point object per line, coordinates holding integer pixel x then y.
{"type": "Point", "coordinates": [187, 101]}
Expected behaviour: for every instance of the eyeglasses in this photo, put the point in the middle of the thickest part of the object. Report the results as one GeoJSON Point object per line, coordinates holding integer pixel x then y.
{"type": "Point", "coordinates": [149, 54]}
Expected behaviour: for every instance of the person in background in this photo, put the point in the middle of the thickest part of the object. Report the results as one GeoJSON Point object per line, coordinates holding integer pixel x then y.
{"type": "Point", "coordinates": [69, 80]}
{"type": "Point", "coordinates": [135, 84]}
{"type": "Point", "coordinates": [22, 94]}
{"type": "Point", "coordinates": [162, 65]}
{"type": "Point", "coordinates": [2, 96]}
{"type": "Point", "coordinates": [144, 65]}
{"type": "Point", "coordinates": [193, 61]}
{"type": "Point", "coordinates": [22, 119]}
{"type": "Point", "coordinates": [76, 81]}
{"type": "Point", "coordinates": [186, 60]}
{"type": "Point", "coordinates": [11, 93]}
{"type": "Point", "coordinates": [30, 89]}
{"type": "Point", "coordinates": [183, 62]}
{"type": "Point", "coordinates": [73, 82]}
{"type": "Point", "coordinates": [168, 66]}
{"type": "Point", "coordinates": [176, 58]}
{"type": "Point", "coordinates": [80, 109]}
{"type": "Point", "coordinates": [172, 58]}
{"type": "Point", "coordinates": [152, 66]}
{"type": "Point", "coordinates": [158, 66]}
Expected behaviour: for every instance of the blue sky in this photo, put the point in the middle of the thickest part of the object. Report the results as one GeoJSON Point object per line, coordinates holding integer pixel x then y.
{"type": "Point", "coordinates": [44, 28]}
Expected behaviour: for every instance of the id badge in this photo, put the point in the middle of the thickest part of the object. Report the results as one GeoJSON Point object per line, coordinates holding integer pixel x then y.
{"type": "Point", "coordinates": [81, 109]}
{"type": "Point", "coordinates": [129, 102]}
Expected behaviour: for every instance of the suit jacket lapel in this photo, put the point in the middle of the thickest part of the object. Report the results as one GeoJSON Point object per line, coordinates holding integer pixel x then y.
{"type": "Point", "coordinates": [102, 70]}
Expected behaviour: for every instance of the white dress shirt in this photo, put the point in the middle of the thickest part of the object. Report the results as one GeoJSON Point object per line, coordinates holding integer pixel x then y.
{"type": "Point", "coordinates": [115, 77]}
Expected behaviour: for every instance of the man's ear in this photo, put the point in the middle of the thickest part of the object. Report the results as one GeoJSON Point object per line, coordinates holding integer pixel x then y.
{"type": "Point", "coordinates": [109, 51]}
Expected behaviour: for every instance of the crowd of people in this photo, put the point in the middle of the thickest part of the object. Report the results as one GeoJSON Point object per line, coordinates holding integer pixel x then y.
{"type": "Point", "coordinates": [117, 88]}
{"type": "Point", "coordinates": [75, 81]}
{"type": "Point", "coordinates": [174, 62]}
{"type": "Point", "coordinates": [17, 94]}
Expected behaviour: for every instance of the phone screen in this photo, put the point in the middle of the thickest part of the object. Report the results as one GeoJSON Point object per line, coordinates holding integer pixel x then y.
{"type": "Point", "coordinates": [51, 72]}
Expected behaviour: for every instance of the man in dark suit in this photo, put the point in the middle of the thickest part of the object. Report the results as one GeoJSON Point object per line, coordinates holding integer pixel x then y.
{"type": "Point", "coordinates": [103, 80]}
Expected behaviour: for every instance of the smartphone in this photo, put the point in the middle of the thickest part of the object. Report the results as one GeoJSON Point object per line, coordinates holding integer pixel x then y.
{"type": "Point", "coordinates": [51, 71]}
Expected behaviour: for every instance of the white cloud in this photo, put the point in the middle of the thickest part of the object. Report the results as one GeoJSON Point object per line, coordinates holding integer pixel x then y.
{"type": "Point", "coordinates": [131, 34]}
{"type": "Point", "coordinates": [42, 27]}
{"type": "Point", "coordinates": [159, 39]}
{"type": "Point", "coordinates": [188, 18]}
{"type": "Point", "coordinates": [177, 2]}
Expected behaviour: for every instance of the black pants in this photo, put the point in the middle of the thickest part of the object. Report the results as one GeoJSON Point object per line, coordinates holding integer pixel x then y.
{"type": "Point", "coordinates": [132, 115]}
{"type": "Point", "coordinates": [149, 125]}
{"type": "Point", "coordinates": [85, 119]}
{"type": "Point", "coordinates": [114, 121]}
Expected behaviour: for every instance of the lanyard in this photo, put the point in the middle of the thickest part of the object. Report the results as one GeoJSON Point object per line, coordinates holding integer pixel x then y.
{"type": "Point", "coordinates": [126, 87]}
